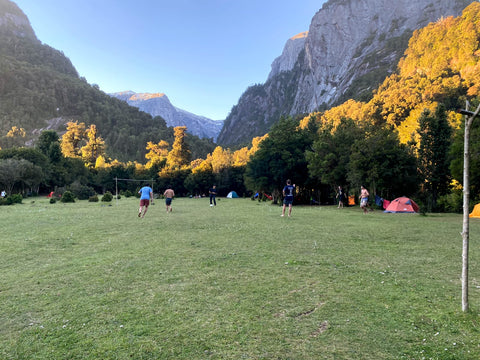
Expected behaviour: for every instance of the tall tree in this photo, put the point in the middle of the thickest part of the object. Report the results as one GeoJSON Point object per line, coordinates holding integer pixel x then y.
{"type": "Point", "coordinates": [381, 163]}
{"type": "Point", "coordinates": [49, 144]}
{"type": "Point", "coordinates": [280, 156]}
{"type": "Point", "coordinates": [179, 156]}
{"type": "Point", "coordinates": [330, 154]}
{"type": "Point", "coordinates": [435, 140]}
{"type": "Point", "coordinates": [94, 147]}
{"type": "Point", "coordinates": [72, 140]}
{"type": "Point", "coordinates": [157, 154]}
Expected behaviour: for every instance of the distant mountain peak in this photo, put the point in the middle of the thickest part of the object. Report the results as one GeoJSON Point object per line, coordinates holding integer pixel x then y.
{"type": "Point", "coordinates": [158, 104]}
{"type": "Point", "coordinates": [146, 96]}
{"type": "Point", "coordinates": [301, 35]}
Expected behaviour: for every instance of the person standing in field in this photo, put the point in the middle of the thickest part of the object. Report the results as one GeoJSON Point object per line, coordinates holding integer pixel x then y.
{"type": "Point", "coordinates": [364, 194]}
{"type": "Point", "coordinates": [340, 197]}
{"type": "Point", "coordinates": [288, 191]}
{"type": "Point", "coordinates": [213, 193]}
{"type": "Point", "coordinates": [169, 194]}
{"type": "Point", "coordinates": [146, 194]}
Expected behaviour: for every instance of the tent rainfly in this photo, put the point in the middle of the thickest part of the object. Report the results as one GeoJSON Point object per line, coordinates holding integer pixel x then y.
{"type": "Point", "coordinates": [232, 195]}
{"type": "Point", "coordinates": [402, 205]}
{"type": "Point", "coordinates": [476, 212]}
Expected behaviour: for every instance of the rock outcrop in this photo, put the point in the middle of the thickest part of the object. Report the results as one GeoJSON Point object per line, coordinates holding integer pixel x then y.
{"type": "Point", "coordinates": [351, 46]}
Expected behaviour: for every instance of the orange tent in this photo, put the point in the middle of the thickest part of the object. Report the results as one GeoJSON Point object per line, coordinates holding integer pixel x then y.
{"type": "Point", "coordinates": [476, 212]}
{"type": "Point", "coordinates": [351, 200]}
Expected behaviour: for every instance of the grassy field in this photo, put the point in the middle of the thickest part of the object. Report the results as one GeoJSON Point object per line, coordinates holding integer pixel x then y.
{"type": "Point", "coordinates": [236, 281]}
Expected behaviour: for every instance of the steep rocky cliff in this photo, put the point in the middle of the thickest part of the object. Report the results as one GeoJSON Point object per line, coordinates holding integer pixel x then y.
{"type": "Point", "coordinates": [351, 46]}
{"type": "Point", "coordinates": [159, 105]}
{"type": "Point", "coordinates": [287, 60]}
{"type": "Point", "coordinates": [14, 22]}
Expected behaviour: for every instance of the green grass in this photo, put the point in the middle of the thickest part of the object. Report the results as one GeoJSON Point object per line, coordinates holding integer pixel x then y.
{"type": "Point", "coordinates": [237, 281]}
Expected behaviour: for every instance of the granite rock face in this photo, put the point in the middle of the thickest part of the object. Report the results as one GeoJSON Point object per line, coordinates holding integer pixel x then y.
{"type": "Point", "coordinates": [351, 46]}
{"type": "Point", "coordinates": [287, 60]}
{"type": "Point", "coordinates": [159, 105]}
{"type": "Point", "coordinates": [346, 33]}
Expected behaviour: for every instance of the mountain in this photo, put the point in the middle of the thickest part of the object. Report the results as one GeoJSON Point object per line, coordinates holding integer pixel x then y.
{"type": "Point", "coordinates": [159, 105]}
{"type": "Point", "coordinates": [350, 48]}
{"type": "Point", "coordinates": [41, 89]}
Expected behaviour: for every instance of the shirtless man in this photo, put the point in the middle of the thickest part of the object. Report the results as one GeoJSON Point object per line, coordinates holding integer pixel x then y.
{"type": "Point", "coordinates": [364, 194]}
{"type": "Point", "coordinates": [169, 194]}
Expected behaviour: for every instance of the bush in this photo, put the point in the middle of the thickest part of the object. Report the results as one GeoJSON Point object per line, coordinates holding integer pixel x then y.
{"type": "Point", "coordinates": [67, 197]}
{"type": "Point", "coordinates": [81, 192]}
{"type": "Point", "coordinates": [107, 197]}
{"type": "Point", "coordinates": [93, 198]}
{"type": "Point", "coordinates": [452, 202]}
{"type": "Point", "coordinates": [127, 193]}
{"type": "Point", "coordinates": [53, 200]}
{"type": "Point", "coordinates": [14, 199]}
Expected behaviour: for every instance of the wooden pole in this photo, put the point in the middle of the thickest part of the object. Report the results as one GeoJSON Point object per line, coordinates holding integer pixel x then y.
{"type": "Point", "coordinates": [466, 200]}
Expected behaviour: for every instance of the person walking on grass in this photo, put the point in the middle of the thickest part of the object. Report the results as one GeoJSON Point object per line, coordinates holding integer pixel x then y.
{"type": "Point", "coordinates": [288, 191]}
{"type": "Point", "coordinates": [364, 194]}
{"type": "Point", "coordinates": [340, 197]}
{"type": "Point", "coordinates": [169, 194]}
{"type": "Point", "coordinates": [146, 194]}
{"type": "Point", "coordinates": [213, 193]}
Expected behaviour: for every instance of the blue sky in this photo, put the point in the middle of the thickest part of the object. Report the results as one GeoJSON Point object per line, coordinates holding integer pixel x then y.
{"type": "Point", "coordinates": [202, 54]}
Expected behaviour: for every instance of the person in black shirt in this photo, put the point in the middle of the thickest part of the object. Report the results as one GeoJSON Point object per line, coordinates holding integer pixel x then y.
{"type": "Point", "coordinates": [213, 193]}
{"type": "Point", "coordinates": [288, 191]}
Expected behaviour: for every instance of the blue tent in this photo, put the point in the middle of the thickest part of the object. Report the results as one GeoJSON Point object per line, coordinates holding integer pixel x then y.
{"type": "Point", "coordinates": [232, 195]}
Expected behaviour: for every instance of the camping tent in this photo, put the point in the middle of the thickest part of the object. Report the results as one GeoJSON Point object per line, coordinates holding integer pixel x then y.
{"type": "Point", "coordinates": [232, 194]}
{"type": "Point", "coordinates": [476, 212]}
{"type": "Point", "coordinates": [402, 205]}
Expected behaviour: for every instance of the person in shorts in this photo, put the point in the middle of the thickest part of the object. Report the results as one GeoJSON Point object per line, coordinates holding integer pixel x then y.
{"type": "Point", "coordinates": [146, 194]}
{"type": "Point", "coordinates": [169, 194]}
{"type": "Point", "coordinates": [288, 192]}
{"type": "Point", "coordinates": [364, 194]}
{"type": "Point", "coordinates": [213, 194]}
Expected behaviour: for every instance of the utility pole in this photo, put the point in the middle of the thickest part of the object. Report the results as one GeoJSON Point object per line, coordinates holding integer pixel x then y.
{"type": "Point", "coordinates": [469, 116]}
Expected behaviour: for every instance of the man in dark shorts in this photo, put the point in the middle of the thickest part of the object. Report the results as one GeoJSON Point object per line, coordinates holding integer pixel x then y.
{"type": "Point", "coordinates": [169, 194]}
{"type": "Point", "coordinates": [288, 191]}
{"type": "Point", "coordinates": [146, 194]}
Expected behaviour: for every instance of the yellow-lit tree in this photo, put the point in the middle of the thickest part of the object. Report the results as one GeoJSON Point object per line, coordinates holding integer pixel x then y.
{"type": "Point", "coordinates": [157, 153]}
{"type": "Point", "coordinates": [15, 137]}
{"type": "Point", "coordinates": [72, 140]}
{"type": "Point", "coordinates": [94, 147]}
{"type": "Point", "coordinates": [179, 156]}
{"type": "Point", "coordinates": [221, 159]}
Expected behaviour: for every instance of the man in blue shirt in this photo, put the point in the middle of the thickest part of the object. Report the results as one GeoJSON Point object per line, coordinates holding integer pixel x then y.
{"type": "Point", "coordinates": [146, 194]}
{"type": "Point", "coordinates": [288, 192]}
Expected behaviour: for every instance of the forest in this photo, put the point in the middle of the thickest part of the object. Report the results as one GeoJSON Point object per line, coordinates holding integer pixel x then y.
{"type": "Point", "coordinates": [407, 140]}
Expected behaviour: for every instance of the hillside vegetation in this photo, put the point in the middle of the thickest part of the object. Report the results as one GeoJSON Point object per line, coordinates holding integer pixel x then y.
{"type": "Point", "coordinates": [39, 84]}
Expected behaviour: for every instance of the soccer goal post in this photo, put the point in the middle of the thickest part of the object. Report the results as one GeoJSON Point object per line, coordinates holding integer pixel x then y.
{"type": "Point", "coordinates": [129, 180]}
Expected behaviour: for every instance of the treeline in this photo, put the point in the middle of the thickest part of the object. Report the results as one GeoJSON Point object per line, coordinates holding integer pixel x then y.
{"type": "Point", "coordinates": [39, 84]}
{"type": "Point", "coordinates": [407, 140]}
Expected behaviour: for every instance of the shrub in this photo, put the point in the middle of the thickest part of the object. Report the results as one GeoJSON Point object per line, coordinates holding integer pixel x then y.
{"type": "Point", "coordinates": [93, 198]}
{"type": "Point", "coordinates": [53, 200]}
{"type": "Point", "coordinates": [14, 199]}
{"type": "Point", "coordinates": [107, 197]}
{"type": "Point", "coordinates": [81, 192]}
{"type": "Point", "coordinates": [452, 202]}
{"type": "Point", "coordinates": [127, 193]}
{"type": "Point", "coordinates": [68, 197]}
